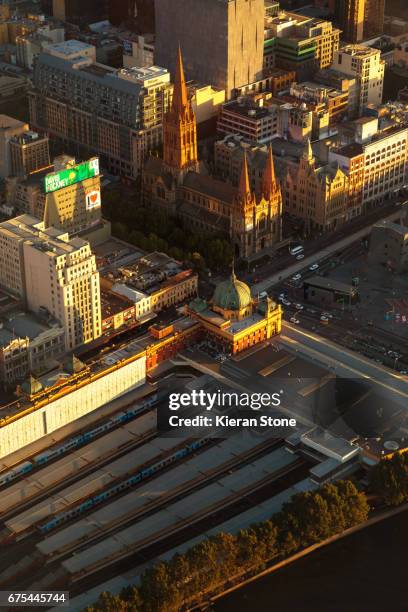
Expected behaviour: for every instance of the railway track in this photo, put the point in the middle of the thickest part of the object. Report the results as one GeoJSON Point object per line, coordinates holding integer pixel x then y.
{"type": "Point", "coordinates": [171, 496]}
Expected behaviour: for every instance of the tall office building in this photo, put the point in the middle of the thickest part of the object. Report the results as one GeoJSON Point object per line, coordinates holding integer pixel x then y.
{"type": "Point", "coordinates": [374, 18]}
{"type": "Point", "coordinates": [52, 272]}
{"type": "Point", "coordinates": [349, 15]}
{"type": "Point", "coordinates": [366, 65]}
{"type": "Point", "coordinates": [79, 11]}
{"type": "Point", "coordinates": [97, 110]}
{"type": "Point", "coordinates": [222, 40]}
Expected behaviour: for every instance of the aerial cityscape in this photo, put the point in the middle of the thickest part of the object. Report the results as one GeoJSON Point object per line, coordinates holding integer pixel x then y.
{"type": "Point", "coordinates": [203, 305]}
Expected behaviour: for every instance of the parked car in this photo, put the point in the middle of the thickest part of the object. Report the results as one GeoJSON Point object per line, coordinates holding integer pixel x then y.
{"type": "Point", "coordinates": [297, 277]}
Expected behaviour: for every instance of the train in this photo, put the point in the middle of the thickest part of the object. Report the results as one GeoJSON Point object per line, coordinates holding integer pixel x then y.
{"type": "Point", "coordinates": [142, 474]}
{"type": "Point", "coordinates": [83, 438]}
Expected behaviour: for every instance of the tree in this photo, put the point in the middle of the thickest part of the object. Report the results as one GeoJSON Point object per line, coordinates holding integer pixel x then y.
{"type": "Point", "coordinates": [389, 478]}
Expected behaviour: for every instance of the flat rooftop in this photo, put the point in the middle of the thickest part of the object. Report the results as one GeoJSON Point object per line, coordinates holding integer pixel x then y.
{"type": "Point", "coordinates": [68, 47]}
{"type": "Point", "coordinates": [395, 227]}
{"type": "Point", "coordinates": [329, 445]}
{"type": "Point", "coordinates": [329, 283]}
{"type": "Point", "coordinates": [50, 240]}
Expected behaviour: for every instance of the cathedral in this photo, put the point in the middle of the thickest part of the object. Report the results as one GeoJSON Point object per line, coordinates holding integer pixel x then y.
{"type": "Point", "coordinates": [178, 185]}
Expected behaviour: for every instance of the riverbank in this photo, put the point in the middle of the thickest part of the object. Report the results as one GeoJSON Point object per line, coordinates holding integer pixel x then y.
{"type": "Point", "coordinates": [363, 572]}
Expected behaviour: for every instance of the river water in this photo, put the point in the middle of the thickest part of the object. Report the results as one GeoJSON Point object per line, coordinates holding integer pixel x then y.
{"type": "Point", "coordinates": [365, 572]}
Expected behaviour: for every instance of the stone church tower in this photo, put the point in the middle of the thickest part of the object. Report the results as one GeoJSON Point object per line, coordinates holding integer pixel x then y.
{"type": "Point", "coordinates": [179, 129]}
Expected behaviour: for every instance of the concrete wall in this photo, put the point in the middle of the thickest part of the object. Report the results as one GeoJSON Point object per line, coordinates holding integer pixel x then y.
{"type": "Point", "coordinates": [62, 411]}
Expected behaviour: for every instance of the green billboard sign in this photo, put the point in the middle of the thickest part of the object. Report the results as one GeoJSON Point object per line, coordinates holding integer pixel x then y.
{"type": "Point", "coordinates": [70, 176]}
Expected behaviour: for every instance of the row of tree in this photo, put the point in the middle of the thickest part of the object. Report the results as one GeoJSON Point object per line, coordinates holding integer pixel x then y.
{"type": "Point", "coordinates": [154, 231]}
{"type": "Point", "coordinates": [307, 518]}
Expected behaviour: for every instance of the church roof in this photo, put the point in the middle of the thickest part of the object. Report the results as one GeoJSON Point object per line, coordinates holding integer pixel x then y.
{"type": "Point", "coordinates": [218, 222]}
{"type": "Point", "coordinates": [232, 294]}
{"type": "Point", "coordinates": [156, 166]}
{"type": "Point", "coordinates": [210, 187]}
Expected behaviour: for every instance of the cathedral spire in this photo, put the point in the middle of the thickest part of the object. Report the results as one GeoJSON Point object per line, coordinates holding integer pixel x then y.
{"type": "Point", "coordinates": [308, 151]}
{"type": "Point", "coordinates": [269, 185]}
{"type": "Point", "coordinates": [180, 98]}
{"type": "Point", "coordinates": [244, 188]}
{"type": "Point", "coordinates": [179, 129]}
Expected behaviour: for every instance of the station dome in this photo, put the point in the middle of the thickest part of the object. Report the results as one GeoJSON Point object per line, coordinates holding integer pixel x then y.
{"type": "Point", "coordinates": [232, 294]}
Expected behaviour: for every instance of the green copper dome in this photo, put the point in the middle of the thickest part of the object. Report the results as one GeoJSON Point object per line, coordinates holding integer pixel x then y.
{"type": "Point", "coordinates": [232, 294]}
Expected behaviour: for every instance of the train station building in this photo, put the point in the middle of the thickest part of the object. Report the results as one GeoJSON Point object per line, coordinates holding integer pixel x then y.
{"type": "Point", "coordinates": [233, 320]}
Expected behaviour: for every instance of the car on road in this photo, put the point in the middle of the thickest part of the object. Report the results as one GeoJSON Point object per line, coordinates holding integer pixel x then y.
{"type": "Point", "coordinates": [282, 296]}
{"type": "Point", "coordinates": [300, 256]}
{"type": "Point", "coordinates": [299, 306]}
{"type": "Point", "coordinates": [314, 267]}
{"type": "Point", "coordinates": [328, 315]}
{"type": "Point", "coordinates": [297, 277]}
{"type": "Point", "coordinates": [294, 320]}
{"type": "Point", "coordinates": [324, 320]}
{"type": "Point", "coordinates": [286, 302]}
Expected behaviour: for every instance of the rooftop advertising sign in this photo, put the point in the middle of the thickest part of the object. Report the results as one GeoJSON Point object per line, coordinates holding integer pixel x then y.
{"type": "Point", "coordinates": [70, 176]}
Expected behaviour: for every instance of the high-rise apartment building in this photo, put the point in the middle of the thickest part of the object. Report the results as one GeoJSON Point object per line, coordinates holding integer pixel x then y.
{"type": "Point", "coordinates": [53, 273]}
{"type": "Point", "coordinates": [29, 152]}
{"type": "Point", "coordinates": [349, 14]}
{"type": "Point", "coordinates": [222, 40]}
{"type": "Point", "coordinates": [97, 110]}
{"type": "Point", "coordinates": [365, 64]}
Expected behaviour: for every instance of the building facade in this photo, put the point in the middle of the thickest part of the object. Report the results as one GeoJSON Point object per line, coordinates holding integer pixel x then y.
{"type": "Point", "coordinates": [316, 194]}
{"type": "Point", "coordinates": [374, 18]}
{"type": "Point", "coordinates": [95, 109]}
{"type": "Point", "coordinates": [9, 129]}
{"type": "Point", "coordinates": [299, 43]}
{"type": "Point", "coordinates": [53, 274]}
{"type": "Point", "coordinates": [29, 152]}
{"type": "Point", "coordinates": [383, 158]}
{"type": "Point", "coordinates": [350, 15]}
{"type": "Point", "coordinates": [366, 65]}
{"type": "Point", "coordinates": [222, 40]}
